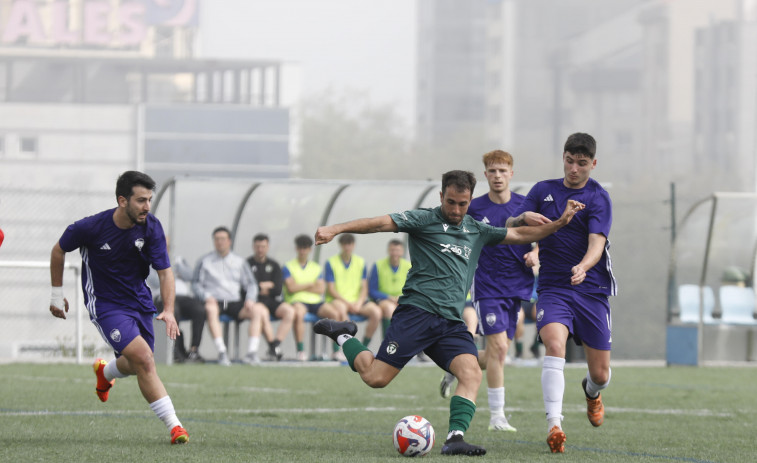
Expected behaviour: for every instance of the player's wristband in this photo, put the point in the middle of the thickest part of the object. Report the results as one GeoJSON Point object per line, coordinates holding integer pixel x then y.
{"type": "Point", "coordinates": [56, 298]}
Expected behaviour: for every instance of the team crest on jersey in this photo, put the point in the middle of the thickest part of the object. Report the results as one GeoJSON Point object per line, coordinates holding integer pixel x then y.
{"type": "Point", "coordinates": [139, 243]}
{"type": "Point", "coordinates": [115, 335]}
{"type": "Point", "coordinates": [540, 315]}
{"type": "Point", "coordinates": [491, 319]}
{"type": "Point", "coordinates": [445, 226]}
{"type": "Point", "coordinates": [391, 349]}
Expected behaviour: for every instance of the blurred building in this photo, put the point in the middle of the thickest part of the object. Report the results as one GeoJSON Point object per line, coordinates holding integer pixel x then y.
{"type": "Point", "coordinates": [669, 83]}
{"type": "Point", "coordinates": [90, 89]}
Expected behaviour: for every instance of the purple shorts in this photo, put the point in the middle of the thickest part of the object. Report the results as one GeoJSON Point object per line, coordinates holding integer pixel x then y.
{"type": "Point", "coordinates": [587, 316]}
{"type": "Point", "coordinates": [120, 327]}
{"type": "Point", "coordinates": [498, 315]}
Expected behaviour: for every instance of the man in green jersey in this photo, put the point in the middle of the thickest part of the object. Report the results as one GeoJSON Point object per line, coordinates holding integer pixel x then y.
{"type": "Point", "coordinates": [444, 247]}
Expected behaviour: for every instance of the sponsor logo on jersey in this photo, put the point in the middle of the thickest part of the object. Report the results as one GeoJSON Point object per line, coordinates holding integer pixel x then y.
{"type": "Point", "coordinates": [465, 230]}
{"type": "Point", "coordinates": [491, 319]}
{"type": "Point", "coordinates": [115, 335]}
{"type": "Point", "coordinates": [457, 250]}
{"type": "Point", "coordinates": [391, 349]}
{"type": "Point", "coordinates": [105, 247]}
{"type": "Point", "coordinates": [139, 243]}
{"type": "Point", "coordinates": [548, 198]}
{"type": "Point", "coordinates": [445, 226]}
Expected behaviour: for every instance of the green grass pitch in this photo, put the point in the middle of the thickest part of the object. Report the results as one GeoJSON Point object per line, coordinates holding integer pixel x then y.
{"type": "Point", "coordinates": [289, 413]}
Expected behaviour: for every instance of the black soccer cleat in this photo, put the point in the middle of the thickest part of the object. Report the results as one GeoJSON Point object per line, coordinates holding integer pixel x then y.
{"type": "Point", "coordinates": [333, 328]}
{"type": "Point", "coordinates": [455, 445]}
{"type": "Point", "coordinates": [274, 351]}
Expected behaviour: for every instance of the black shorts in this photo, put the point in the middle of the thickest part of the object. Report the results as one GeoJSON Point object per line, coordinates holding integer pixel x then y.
{"type": "Point", "coordinates": [230, 308]}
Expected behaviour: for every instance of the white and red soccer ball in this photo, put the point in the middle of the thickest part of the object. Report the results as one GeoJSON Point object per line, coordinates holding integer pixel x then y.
{"type": "Point", "coordinates": [414, 436]}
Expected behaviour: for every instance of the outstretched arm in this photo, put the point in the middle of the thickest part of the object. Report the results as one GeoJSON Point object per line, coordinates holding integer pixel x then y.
{"type": "Point", "coordinates": [529, 234]}
{"type": "Point", "coordinates": [382, 223]}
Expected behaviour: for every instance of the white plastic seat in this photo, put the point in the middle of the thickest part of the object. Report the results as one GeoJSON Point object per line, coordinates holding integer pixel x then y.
{"type": "Point", "coordinates": [737, 305]}
{"type": "Point", "coordinates": [688, 303]}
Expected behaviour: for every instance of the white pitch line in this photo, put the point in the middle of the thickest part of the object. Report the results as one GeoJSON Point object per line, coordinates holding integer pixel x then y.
{"type": "Point", "coordinates": [249, 411]}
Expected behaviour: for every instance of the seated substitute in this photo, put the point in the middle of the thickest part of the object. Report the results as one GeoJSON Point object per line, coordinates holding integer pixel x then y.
{"type": "Point", "coordinates": [304, 286]}
{"type": "Point", "coordinates": [186, 307]}
{"type": "Point", "coordinates": [220, 277]}
{"type": "Point", "coordinates": [387, 277]}
{"type": "Point", "coordinates": [347, 285]}
{"type": "Point", "coordinates": [267, 273]}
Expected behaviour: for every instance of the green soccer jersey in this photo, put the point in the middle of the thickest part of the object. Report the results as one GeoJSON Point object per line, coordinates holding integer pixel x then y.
{"type": "Point", "coordinates": [444, 258]}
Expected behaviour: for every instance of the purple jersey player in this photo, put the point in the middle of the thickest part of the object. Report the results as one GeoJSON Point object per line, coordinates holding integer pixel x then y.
{"type": "Point", "coordinates": [503, 278]}
{"type": "Point", "coordinates": [117, 247]}
{"type": "Point", "coordinates": [575, 281]}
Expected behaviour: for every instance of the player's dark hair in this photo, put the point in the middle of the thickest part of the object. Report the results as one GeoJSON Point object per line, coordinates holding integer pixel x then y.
{"type": "Point", "coordinates": [396, 243]}
{"type": "Point", "coordinates": [303, 241]}
{"type": "Point", "coordinates": [581, 143]}
{"type": "Point", "coordinates": [260, 237]}
{"type": "Point", "coordinates": [131, 178]}
{"type": "Point", "coordinates": [461, 180]}
{"type": "Point", "coordinates": [347, 238]}
{"type": "Point", "coordinates": [221, 229]}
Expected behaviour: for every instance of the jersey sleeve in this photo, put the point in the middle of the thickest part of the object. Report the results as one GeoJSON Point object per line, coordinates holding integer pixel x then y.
{"type": "Point", "coordinates": [409, 221]}
{"type": "Point", "coordinates": [157, 247]}
{"type": "Point", "coordinates": [492, 235]}
{"type": "Point", "coordinates": [529, 202]}
{"type": "Point", "coordinates": [373, 286]}
{"type": "Point", "coordinates": [329, 273]}
{"type": "Point", "coordinates": [285, 273]}
{"type": "Point", "coordinates": [600, 214]}
{"type": "Point", "coordinates": [74, 237]}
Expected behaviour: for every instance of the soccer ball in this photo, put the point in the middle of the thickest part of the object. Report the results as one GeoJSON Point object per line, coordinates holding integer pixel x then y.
{"type": "Point", "coordinates": [414, 436]}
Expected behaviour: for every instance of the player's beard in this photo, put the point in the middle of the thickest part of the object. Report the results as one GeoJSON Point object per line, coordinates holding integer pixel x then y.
{"type": "Point", "coordinates": [134, 217]}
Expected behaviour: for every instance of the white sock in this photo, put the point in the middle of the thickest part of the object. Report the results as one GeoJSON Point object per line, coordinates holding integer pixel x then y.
{"type": "Point", "coordinates": [111, 371]}
{"type": "Point", "coordinates": [252, 344]}
{"type": "Point", "coordinates": [342, 338]}
{"type": "Point", "coordinates": [592, 389]}
{"type": "Point", "coordinates": [496, 401]}
{"type": "Point", "coordinates": [163, 407]}
{"type": "Point", "coordinates": [220, 345]}
{"type": "Point", "coordinates": [454, 433]}
{"type": "Point", "coordinates": [553, 388]}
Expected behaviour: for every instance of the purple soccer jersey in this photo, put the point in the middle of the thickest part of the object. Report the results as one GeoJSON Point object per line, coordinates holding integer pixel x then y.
{"type": "Point", "coordinates": [116, 262]}
{"type": "Point", "coordinates": [561, 251]}
{"type": "Point", "coordinates": [501, 271]}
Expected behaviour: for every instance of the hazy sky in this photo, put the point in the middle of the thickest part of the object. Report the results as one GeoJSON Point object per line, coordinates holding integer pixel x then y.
{"type": "Point", "coordinates": [358, 44]}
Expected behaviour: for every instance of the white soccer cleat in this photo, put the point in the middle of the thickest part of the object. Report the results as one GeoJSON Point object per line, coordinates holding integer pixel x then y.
{"type": "Point", "coordinates": [445, 388]}
{"type": "Point", "coordinates": [500, 423]}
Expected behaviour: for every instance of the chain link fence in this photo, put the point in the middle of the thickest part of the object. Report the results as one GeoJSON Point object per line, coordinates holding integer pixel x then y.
{"type": "Point", "coordinates": [32, 221]}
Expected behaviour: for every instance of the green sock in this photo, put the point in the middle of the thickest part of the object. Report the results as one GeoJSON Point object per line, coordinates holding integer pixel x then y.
{"type": "Point", "coordinates": [518, 348]}
{"type": "Point", "coordinates": [461, 412]}
{"type": "Point", "coordinates": [385, 322]}
{"type": "Point", "coordinates": [351, 348]}
{"type": "Point", "coordinates": [366, 341]}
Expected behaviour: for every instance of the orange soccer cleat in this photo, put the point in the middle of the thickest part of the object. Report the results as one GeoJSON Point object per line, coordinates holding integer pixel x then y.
{"type": "Point", "coordinates": [595, 410]}
{"type": "Point", "coordinates": [556, 440]}
{"type": "Point", "coordinates": [103, 385]}
{"type": "Point", "coordinates": [179, 435]}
